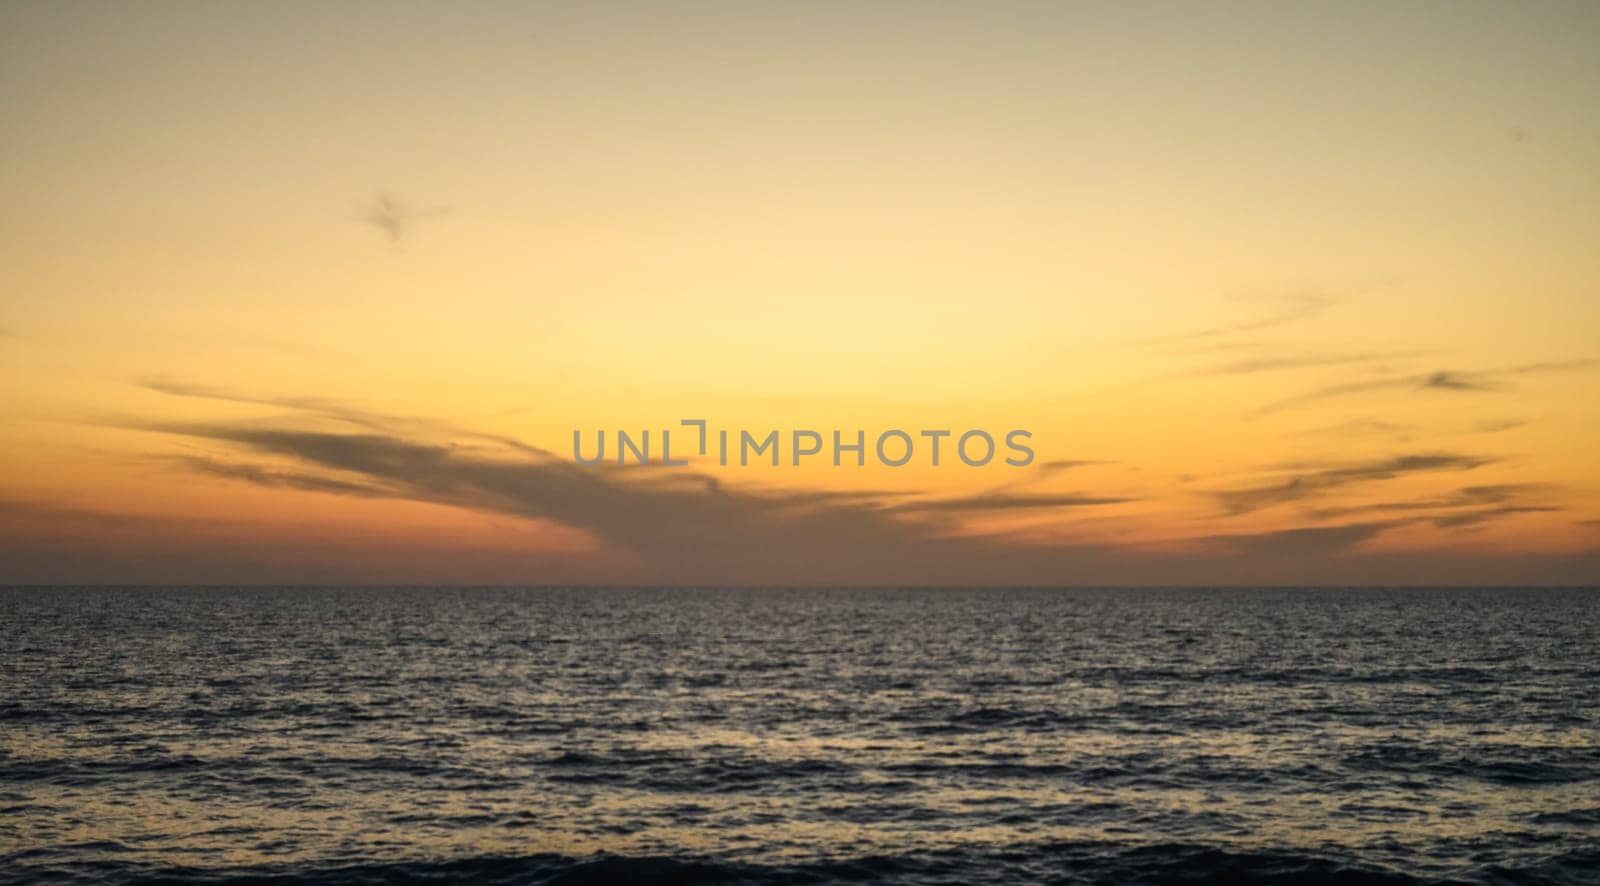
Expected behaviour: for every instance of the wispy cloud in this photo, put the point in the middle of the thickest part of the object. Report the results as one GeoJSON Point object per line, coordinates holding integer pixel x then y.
{"type": "Point", "coordinates": [1365, 427]}
{"type": "Point", "coordinates": [672, 519]}
{"type": "Point", "coordinates": [1042, 474]}
{"type": "Point", "coordinates": [1402, 432]}
{"type": "Point", "coordinates": [1310, 484]}
{"type": "Point", "coordinates": [1465, 497]}
{"type": "Point", "coordinates": [1295, 308]}
{"type": "Point", "coordinates": [1474, 518]}
{"type": "Point", "coordinates": [1468, 506]}
{"type": "Point", "coordinates": [1307, 361]}
{"type": "Point", "coordinates": [997, 502]}
{"type": "Point", "coordinates": [686, 525]}
{"type": "Point", "coordinates": [1444, 380]}
{"type": "Point", "coordinates": [270, 477]}
{"type": "Point", "coordinates": [337, 411]}
{"type": "Point", "coordinates": [1313, 541]}
{"type": "Point", "coordinates": [1067, 464]}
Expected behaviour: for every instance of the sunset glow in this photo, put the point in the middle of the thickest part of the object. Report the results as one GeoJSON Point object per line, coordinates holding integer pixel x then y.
{"type": "Point", "coordinates": [1284, 295]}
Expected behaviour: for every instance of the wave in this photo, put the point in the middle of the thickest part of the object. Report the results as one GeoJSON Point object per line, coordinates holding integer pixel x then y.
{"type": "Point", "coordinates": [1078, 862]}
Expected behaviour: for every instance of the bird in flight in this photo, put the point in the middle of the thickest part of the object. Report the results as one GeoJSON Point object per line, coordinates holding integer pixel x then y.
{"type": "Point", "coordinates": [394, 217]}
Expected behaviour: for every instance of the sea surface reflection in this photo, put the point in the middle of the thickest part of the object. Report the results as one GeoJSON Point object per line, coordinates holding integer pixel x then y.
{"type": "Point", "coordinates": [698, 735]}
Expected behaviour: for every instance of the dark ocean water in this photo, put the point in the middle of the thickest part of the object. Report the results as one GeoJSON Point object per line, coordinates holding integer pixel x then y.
{"type": "Point", "coordinates": [636, 736]}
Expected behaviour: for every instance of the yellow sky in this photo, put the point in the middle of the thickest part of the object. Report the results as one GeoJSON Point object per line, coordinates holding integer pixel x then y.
{"type": "Point", "coordinates": [1303, 293]}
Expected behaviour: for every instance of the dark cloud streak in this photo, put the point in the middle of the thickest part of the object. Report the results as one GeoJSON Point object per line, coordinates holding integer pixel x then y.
{"type": "Point", "coordinates": [1279, 364]}
{"type": "Point", "coordinates": [340, 412]}
{"type": "Point", "coordinates": [262, 476]}
{"type": "Point", "coordinates": [995, 502]}
{"type": "Point", "coordinates": [1474, 518]}
{"type": "Point", "coordinates": [1314, 483]}
{"type": "Point", "coordinates": [1302, 542]}
{"type": "Point", "coordinates": [1447, 380]}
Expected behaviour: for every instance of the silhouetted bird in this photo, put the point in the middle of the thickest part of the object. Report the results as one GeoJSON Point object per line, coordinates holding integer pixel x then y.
{"type": "Point", "coordinates": [395, 218]}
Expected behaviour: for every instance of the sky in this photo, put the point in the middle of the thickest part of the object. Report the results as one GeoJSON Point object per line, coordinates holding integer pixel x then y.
{"type": "Point", "coordinates": [1285, 293]}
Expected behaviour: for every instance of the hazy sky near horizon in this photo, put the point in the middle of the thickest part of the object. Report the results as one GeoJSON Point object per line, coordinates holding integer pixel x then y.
{"type": "Point", "coordinates": [1285, 292]}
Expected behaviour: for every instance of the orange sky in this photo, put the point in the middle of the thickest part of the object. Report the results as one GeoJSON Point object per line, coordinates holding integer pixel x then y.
{"type": "Point", "coordinates": [1285, 293]}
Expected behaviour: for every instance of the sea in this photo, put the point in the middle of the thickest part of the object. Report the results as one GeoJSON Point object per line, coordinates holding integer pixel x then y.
{"type": "Point", "coordinates": [767, 735]}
